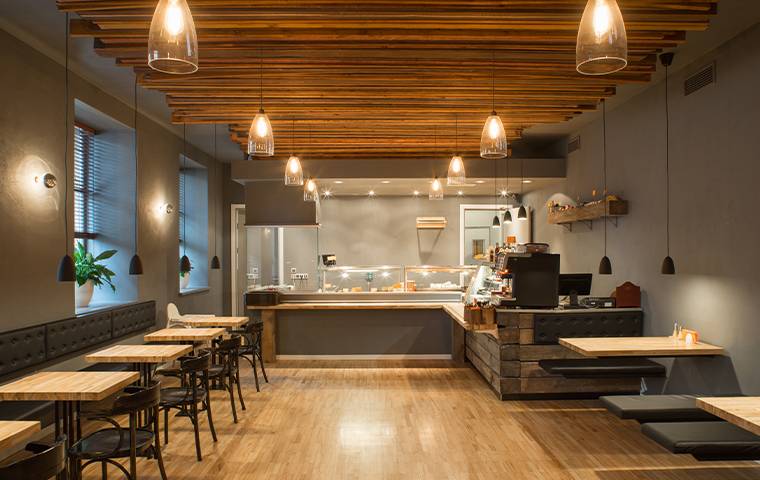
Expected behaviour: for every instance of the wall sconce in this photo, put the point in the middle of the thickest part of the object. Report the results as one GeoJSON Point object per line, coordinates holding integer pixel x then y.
{"type": "Point", "coordinates": [48, 180]}
{"type": "Point", "coordinates": [166, 208]}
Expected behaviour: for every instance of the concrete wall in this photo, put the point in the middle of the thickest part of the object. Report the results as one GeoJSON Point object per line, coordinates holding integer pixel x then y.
{"type": "Point", "coordinates": [31, 121]}
{"type": "Point", "coordinates": [714, 222]}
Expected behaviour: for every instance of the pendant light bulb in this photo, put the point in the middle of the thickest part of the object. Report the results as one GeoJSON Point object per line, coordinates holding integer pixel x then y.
{"type": "Point", "coordinates": [436, 190]}
{"type": "Point", "coordinates": [66, 269]}
{"type": "Point", "coordinates": [184, 264]}
{"type": "Point", "coordinates": [215, 264]}
{"type": "Point", "coordinates": [602, 46]}
{"type": "Point", "coordinates": [260, 137]}
{"type": "Point", "coordinates": [507, 217]}
{"type": "Point", "coordinates": [493, 140]}
{"type": "Point", "coordinates": [605, 266]}
{"type": "Point", "coordinates": [172, 40]}
{"type": "Point", "coordinates": [495, 223]}
{"type": "Point", "coordinates": [293, 172]}
{"type": "Point", "coordinates": [522, 213]}
{"type": "Point", "coordinates": [668, 267]}
{"type": "Point", "coordinates": [135, 265]}
{"type": "Point", "coordinates": [310, 191]}
{"type": "Point", "coordinates": [456, 174]}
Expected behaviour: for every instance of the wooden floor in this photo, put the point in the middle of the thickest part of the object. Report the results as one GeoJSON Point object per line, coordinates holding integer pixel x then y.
{"type": "Point", "coordinates": [316, 421]}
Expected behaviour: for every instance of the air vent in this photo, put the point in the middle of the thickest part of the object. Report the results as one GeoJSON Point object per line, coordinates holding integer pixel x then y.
{"type": "Point", "coordinates": [699, 80]}
{"type": "Point", "coordinates": [574, 144]}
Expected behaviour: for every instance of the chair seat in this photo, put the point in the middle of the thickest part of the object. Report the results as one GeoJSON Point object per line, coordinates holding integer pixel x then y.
{"type": "Point", "coordinates": [103, 442]}
{"type": "Point", "coordinates": [656, 408]}
{"type": "Point", "coordinates": [217, 371]}
{"type": "Point", "coordinates": [180, 395]}
{"type": "Point", "coordinates": [705, 440]}
{"type": "Point", "coordinates": [603, 367]}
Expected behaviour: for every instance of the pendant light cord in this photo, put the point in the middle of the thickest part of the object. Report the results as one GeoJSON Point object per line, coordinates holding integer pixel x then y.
{"type": "Point", "coordinates": [493, 82]}
{"type": "Point", "coordinates": [137, 198]}
{"type": "Point", "coordinates": [261, 79]}
{"type": "Point", "coordinates": [604, 156]}
{"type": "Point", "coordinates": [184, 182]}
{"type": "Point", "coordinates": [216, 180]}
{"type": "Point", "coordinates": [456, 134]}
{"type": "Point", "coordinates": [66, 145]}
{"type": "Point", "coordinates": [667, 166]}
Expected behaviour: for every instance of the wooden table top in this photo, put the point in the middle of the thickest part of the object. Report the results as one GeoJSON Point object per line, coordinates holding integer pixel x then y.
{"type": "Point", "coordinates": [203, 321]}
{"type": "Point", "coordinates": [637, 347]}
{"type": "Point", "coordinates": [351, 306]}
{"type": "Point", "coordinates": [184, 335]}
{"type": "Point", "coordinates": [743, 412]}
{"type": "Point", "coordinates": [139, 353]}
{"type": "Point", "coordinates": [14, 432]}
{"type": "Point", "coordinates": [67, 386]}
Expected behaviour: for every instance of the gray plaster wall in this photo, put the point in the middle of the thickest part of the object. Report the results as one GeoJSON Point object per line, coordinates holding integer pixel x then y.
{"type": "Point", "coordinates": [715, 232]}
{"type": "Point", "coordinates": [32, 141]}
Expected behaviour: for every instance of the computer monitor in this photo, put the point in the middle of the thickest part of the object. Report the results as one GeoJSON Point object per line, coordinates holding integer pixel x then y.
{"type": "Point", "coordinates": [574, 284]}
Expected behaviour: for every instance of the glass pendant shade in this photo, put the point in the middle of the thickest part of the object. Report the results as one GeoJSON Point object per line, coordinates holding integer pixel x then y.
{"type": "Point", "coordinates": [507, 217]}
{"type": "Point", "coordinates": [456, 175]}
{"type": "Point", "coordinates": [310, 191]}
{"type": "Point", "coordinates": [493, 140]}
{"type": "Point", "coordinates": [184, 264]}
{"type": "Point", "coordinates": [293, 172]}
{"type": "Point", "coordinates": [602, 45]}
{"type": "Point", "coordinates": [605, 267]}
{"type": "Point", "coordinates": [260, 137]}
{"type": "Point", "coordinates": [436, 190]}
{"type": "Point", "coordinates": [668, 267]}
{"type": "Point", "coordinates": [135, 265]}
{"type": "Point", "coordinates": [66, 269]}
{"type": "Point", "coordinates": [522, 213]}
{"type": "Point", "coordinates": [172, 41]}
{"type": "Point", "coordinates": [215, 265]}
{"type": "Point", "coordinates": [496, 223]}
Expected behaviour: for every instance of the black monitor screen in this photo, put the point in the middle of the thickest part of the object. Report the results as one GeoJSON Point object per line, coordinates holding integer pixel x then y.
{"type": "Point", "coordinates": [575, 283]}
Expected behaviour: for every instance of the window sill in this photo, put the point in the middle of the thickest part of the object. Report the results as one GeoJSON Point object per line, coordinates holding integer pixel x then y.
{"type": "Point", "coordinates": [193, 290]}
{"type": "Point", "coordinates": [99, 306]}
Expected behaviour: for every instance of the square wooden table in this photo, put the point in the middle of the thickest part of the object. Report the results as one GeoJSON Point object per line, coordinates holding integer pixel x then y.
{"type": "Point", "coordinates": [142, 356]}
{"type": "Point", "coordinates": [204, 321]}
{"type": "Point", "coordinates": [638, 347]}
{"type": "Point", "coordinates": [195, 335]}
{"type": "Point", "coordinates": [743, 412]}
{"type": "Point", "coordinates": [14, 432]}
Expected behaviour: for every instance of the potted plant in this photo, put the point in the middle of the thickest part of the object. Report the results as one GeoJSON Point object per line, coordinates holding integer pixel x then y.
{"type": "Point", "coordinates": [90, 273]}
{"type": "Point", "coordinates": [184, 278]}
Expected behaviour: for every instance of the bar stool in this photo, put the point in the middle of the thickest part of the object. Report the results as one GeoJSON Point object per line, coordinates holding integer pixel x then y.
{"type": "Point", "coordinates": [46, 462]}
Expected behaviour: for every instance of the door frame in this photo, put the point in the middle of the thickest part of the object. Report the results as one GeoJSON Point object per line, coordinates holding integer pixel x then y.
{"type": "Point", "coordinates": [234, 255]}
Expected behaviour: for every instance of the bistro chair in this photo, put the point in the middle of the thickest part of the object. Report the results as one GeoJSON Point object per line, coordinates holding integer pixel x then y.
{"type": "Point", "coordinates": [108, 444]}
{"type": "Point", "coordinates": [186, 398]}
{"type": "Point", "coordinates": [227, 371]}
{"type": "Point", "coordinates": [252, 347]}
{"type": "Point", "coordinates": [46, 461]}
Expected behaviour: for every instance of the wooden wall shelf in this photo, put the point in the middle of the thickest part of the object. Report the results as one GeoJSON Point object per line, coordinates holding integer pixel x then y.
{"type": "Point", "coordinates": [610, 209]}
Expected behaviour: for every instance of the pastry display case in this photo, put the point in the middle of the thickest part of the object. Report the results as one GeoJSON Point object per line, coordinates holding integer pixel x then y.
{"type": "Point", "coordinates": [364, 278]}
{"type": "Point", "coordinates": [436, 278]}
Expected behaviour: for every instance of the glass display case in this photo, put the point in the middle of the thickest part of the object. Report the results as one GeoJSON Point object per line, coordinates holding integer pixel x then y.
{"type": "Point", "coordinates": [368, 278]}
{"type": "Point", "coordinates": [426, 278]}
{"type": "Point", "coordinates": [484, 283]}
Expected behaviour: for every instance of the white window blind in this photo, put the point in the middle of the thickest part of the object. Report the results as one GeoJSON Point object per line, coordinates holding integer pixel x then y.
{"type": "Point", "coordinates": [181, 208]}
{"type": "Point", "coordinates": [85, 174]}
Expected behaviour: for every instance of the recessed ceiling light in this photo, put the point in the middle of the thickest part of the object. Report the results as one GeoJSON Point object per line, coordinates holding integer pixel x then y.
{"type": "Point", "coordinates": [503, 193]}
{"type": "Point", "coordinates": [385, 181]}
{"type": "Point", "coordinates": [416, 193]}
{"type": "Point", "coordinates": [327, 193]}
{"type": "Point", "coordinates": [480, 181]}
{"type": "Point", "coordinates": [338, 181]}
{"type": "Point", "coordinates": [371, 193]}
{"type": "Point", "coordinates": [527, 181]}
{"type": "Point", "coordinates": [460, 193]}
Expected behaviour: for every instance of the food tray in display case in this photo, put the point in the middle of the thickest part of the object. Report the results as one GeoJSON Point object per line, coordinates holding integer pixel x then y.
{"type": "Point", "coordinates": [362, 278]}
{"type": "Point", "coordinates": [423, 278]}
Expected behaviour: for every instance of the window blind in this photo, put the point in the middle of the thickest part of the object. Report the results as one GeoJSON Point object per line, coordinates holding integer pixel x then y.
{"type": "Point", "coordinates": [85, 174]}
{"type": "Point", "coordinates": [181, 208]}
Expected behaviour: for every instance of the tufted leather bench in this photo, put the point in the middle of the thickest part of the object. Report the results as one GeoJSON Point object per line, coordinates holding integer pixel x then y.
{"type": "Point", "coordinates": [656, 408]}
{"type": "Point", "coordinates": [705, 440]}
{"type": "Point", "coordinates": [548, 327]}
{"type": "Point", "coordinates": [603, 367]}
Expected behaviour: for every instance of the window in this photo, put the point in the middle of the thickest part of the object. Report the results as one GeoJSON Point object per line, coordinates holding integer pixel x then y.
{"type": "Point", "coordinates": [85, 177]}
{"type": "Point", "coordinates": [193, 223]}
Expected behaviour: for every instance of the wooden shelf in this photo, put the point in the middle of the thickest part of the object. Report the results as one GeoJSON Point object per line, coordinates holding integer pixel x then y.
{"type": "Point", "coordinates": [589, 213]}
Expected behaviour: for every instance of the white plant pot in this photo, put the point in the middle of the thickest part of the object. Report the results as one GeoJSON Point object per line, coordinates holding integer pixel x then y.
{"type": "Point", "coordinates": [83, 294]}
{"type": "Point", "coordinates": [184, 281]}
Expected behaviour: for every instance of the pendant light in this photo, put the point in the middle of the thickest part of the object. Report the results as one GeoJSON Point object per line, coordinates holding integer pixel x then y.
{"type": "Point", "coordinates": [184, 262]}
{"type": "Point", "coordinates": [601, 47]}
{"type": "Point", "coordinates": [495, 223]}
{"type": "Point", "coordinates": [436, 190]}
{"type": "Point", "coordinates": [135, 264]}
{"type": "Point", "coordinates": [310, 191]}
{"type": "Point", "coordinates": [493, 140]}
{"type": "Point", "coordinates": [522, 213]}
{"type": "Point", "coordinates": [668, 267]}
{"type": "Point", "coordinates": [215, 264]}
{"type": "Point", "coordinates": [260, 136]}
{"type": "Point", "coordinates": [605, 266]}
{"type": "Point", "coordinates": [293, 170]}
{"type": "Point", "coordinates": [507, 213]}
{"type": "Point", "coordinates": [66, 265]}
{"type": "Point", "coordinates": [456, 174]}
{"type": "Point", "coordinates": [172, 41]}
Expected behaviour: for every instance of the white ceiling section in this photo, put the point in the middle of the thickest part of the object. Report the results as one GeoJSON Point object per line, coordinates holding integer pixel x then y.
{"type": "Point", "coordinates": [42, 26]}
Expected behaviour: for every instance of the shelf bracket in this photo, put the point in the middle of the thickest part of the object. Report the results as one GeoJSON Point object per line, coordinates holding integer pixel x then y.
{"type": "Point", "coordinates": [613, 221]}
{"type": "Point", "coordinates": [589, 224]}
{"type": "Point", "coordinates": [568, 226]}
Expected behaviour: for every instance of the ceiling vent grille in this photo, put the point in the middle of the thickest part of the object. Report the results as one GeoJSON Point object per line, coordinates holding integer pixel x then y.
{"type": "Point", "coordinates": [699, 80]}
{"type": "Point", "coordinates": [574, 144]}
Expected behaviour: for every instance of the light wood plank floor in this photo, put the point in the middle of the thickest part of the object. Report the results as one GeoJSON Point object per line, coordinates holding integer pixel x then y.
{"type": "Point", "coordinates": [315, 421]}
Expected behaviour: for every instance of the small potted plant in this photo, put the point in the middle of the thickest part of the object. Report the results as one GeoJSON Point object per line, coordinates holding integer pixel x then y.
{"type": "Point", "coordinates": [90, 272]}
{"type": "Point", "coordinates": [184, 278]}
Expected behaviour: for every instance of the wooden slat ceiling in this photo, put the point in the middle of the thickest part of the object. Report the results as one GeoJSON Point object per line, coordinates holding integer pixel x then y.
{"type": "Point", "coordinates": [376, 78]}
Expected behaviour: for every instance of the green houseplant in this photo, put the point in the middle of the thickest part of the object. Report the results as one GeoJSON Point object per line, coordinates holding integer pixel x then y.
{"type": "Point", "coordinates": [90, 273]}
{"type": "Point", "coordinates": [184, 278]}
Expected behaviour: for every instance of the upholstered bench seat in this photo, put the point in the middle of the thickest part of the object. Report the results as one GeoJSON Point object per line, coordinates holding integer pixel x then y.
{"type": "Point", "coordinates": [705, 440]}
{"type": "Point", "coordinates": [603, 367]}
{"type": "Point", "coordinates": [656, 408]}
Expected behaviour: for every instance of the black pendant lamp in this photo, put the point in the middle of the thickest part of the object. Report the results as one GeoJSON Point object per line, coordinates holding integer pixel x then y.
{"type": "Point", "coordinates": [184, 262]}
{"type": "Point", "coordinates": [507, 213]}
{"type": "Point", "coordinates": [605, 266]}
{"type": "Point", "coordinates": [135, 264]}
{"type": "Point", "coordinates": [522, 213]}
{"type": "Point", "coordinates": [495, 223]}
{"type": "Point", "coordinates": [215, 265]}
{"type": "Point", "coordinates": [66, 265]}
{"type": "Point", "coordinates": [668, 267]}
